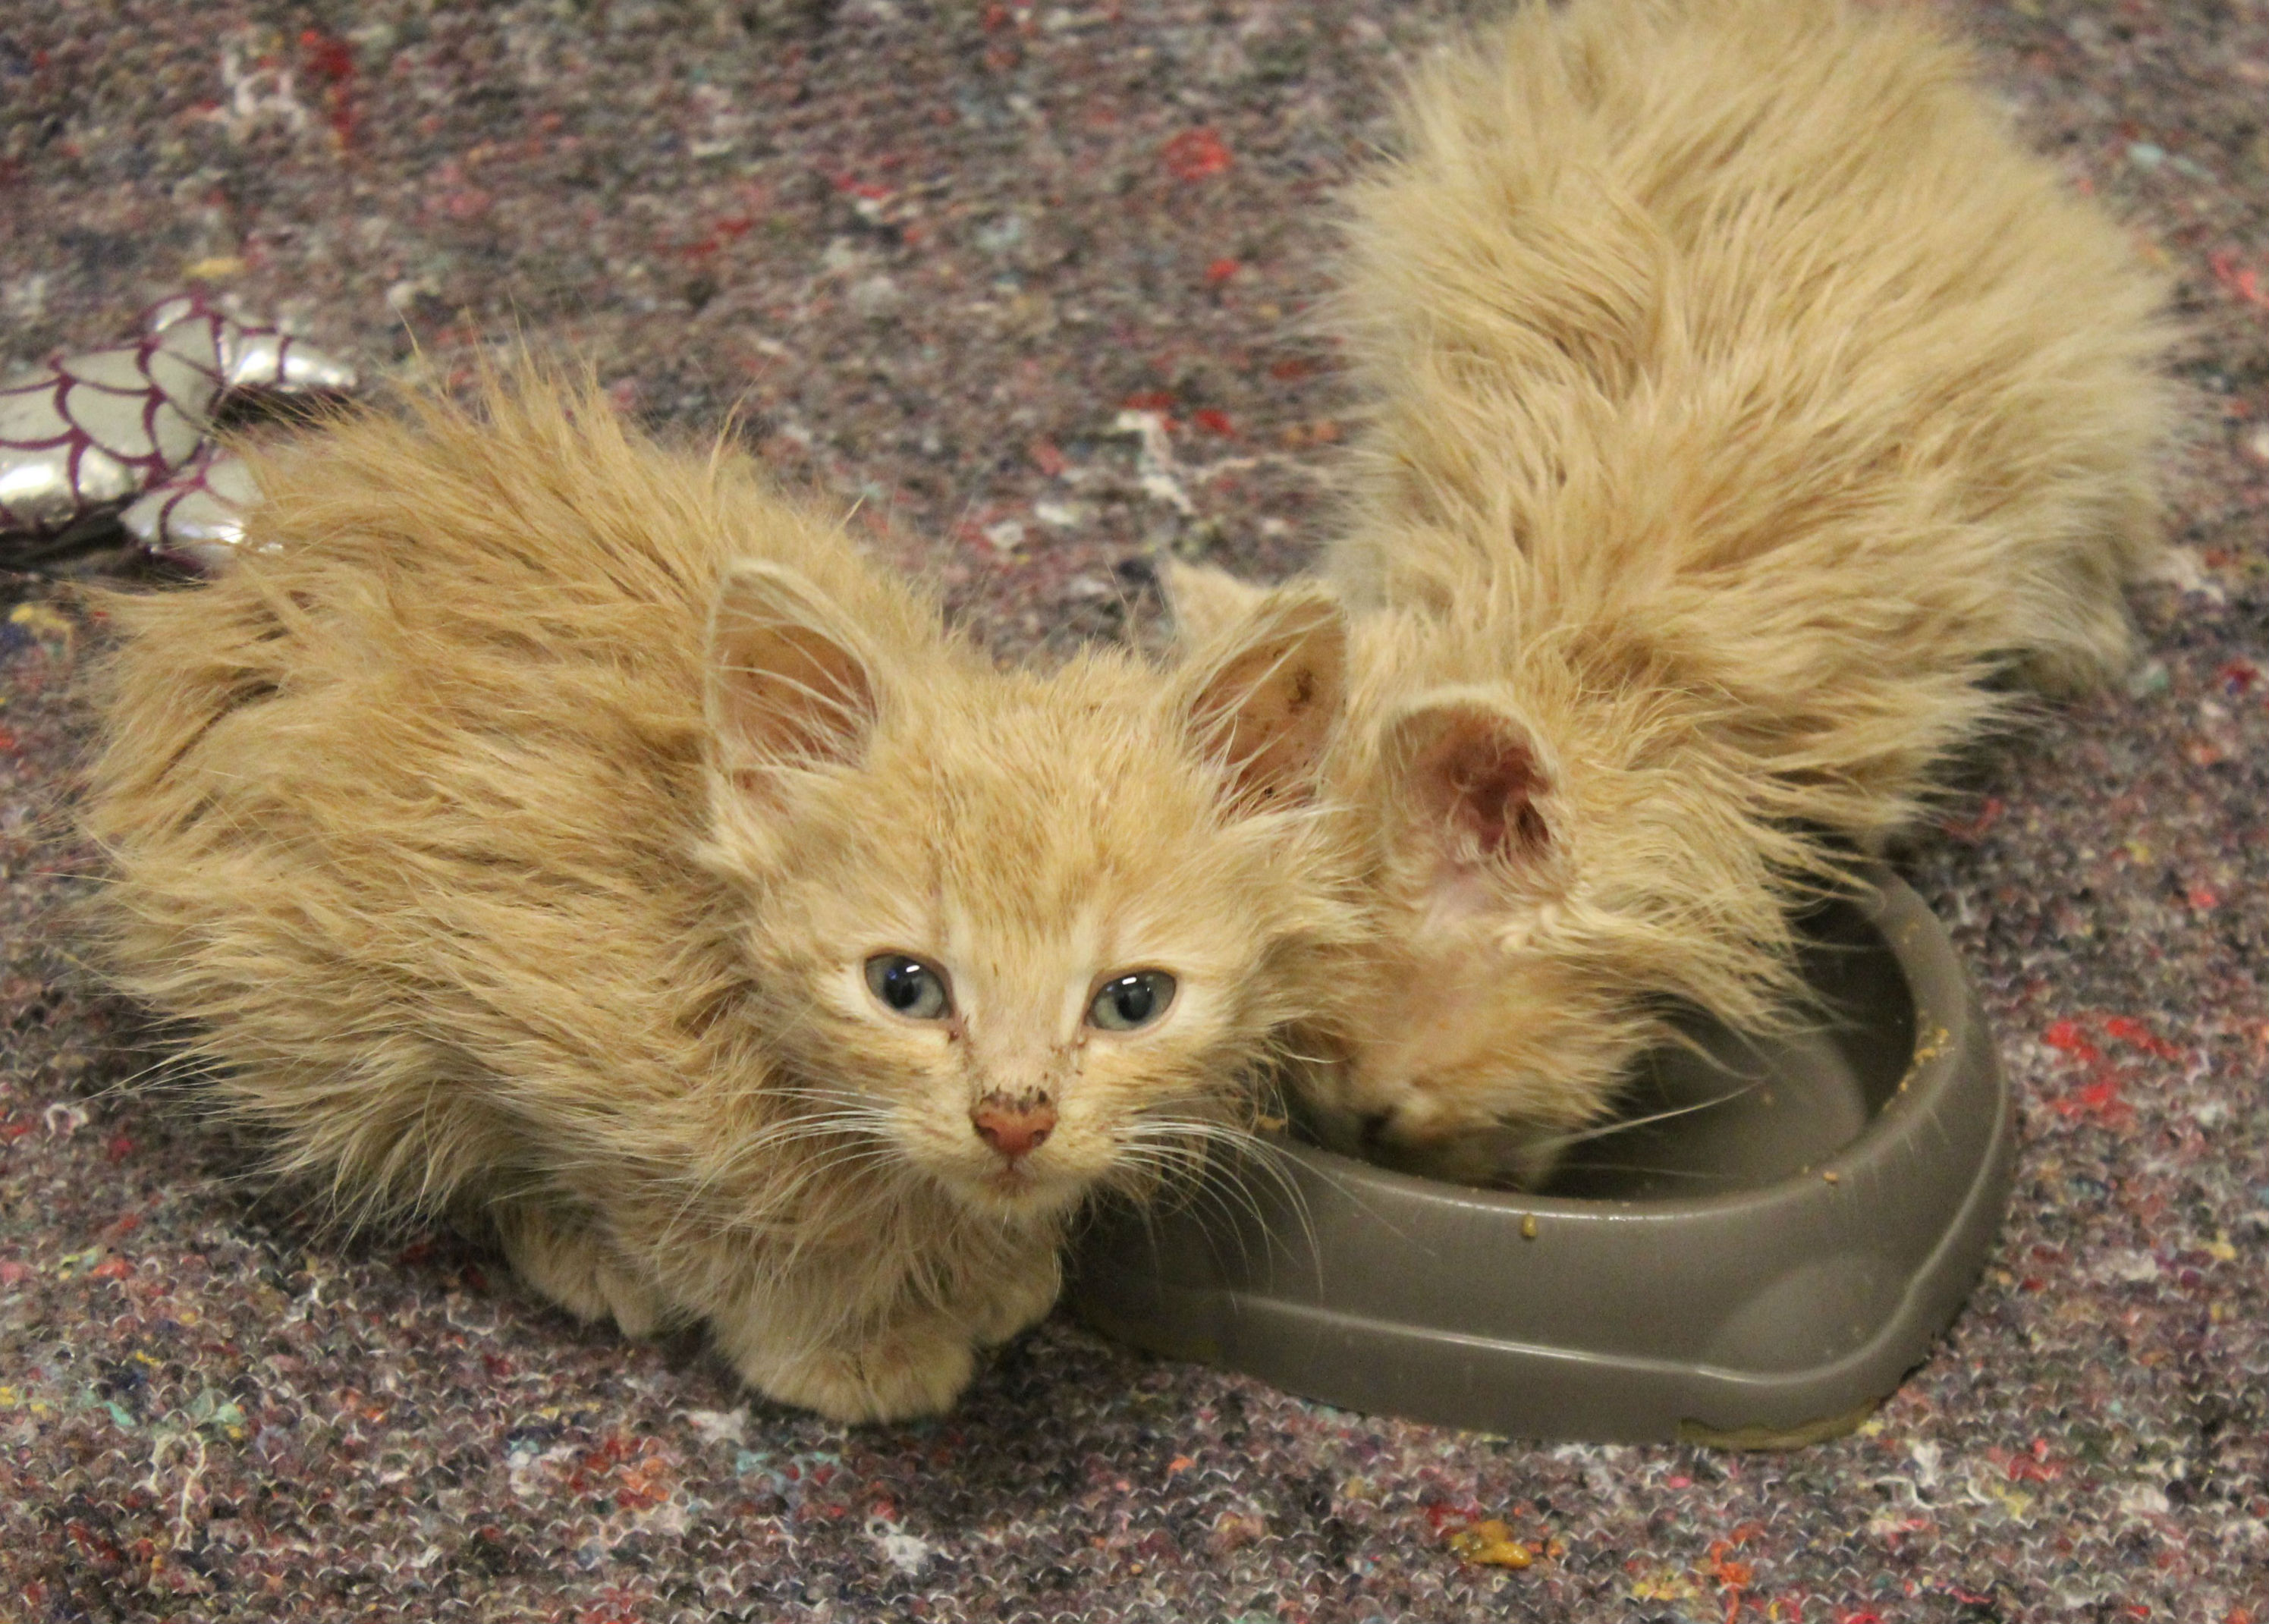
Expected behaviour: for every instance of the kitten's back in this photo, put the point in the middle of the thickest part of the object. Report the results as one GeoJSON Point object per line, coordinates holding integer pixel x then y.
{"type": "Point", "coordinates": [400, 810]}
{"type": "Point", "coordinates": [1715, 318]}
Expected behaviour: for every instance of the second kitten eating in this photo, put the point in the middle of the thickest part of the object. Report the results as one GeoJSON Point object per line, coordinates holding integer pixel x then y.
{"type": "Point", "coordinates": [1745, 408]}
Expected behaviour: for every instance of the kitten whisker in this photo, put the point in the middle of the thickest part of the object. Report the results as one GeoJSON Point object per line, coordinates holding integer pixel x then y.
{"type": "Point", "coordinates": [1697, 1174]}
{"type": "Point", "coordinates": [1560, 1141]}
{"type": "Point", "coordinates": [1217, 1153]}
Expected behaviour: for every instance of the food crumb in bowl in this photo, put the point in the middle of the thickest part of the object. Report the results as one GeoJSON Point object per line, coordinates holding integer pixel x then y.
{"type": "Point", "coordinates": [1831, 1176]}
{"type": "Point", "coordinates": [1529, 1226]}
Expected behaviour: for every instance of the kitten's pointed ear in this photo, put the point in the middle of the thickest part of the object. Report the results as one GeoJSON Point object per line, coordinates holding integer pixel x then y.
{"type": "Point", "coordinates": [1475, 781]}
{"type": "Point", "coordinates": [1265, 692]}
{"type": "Point", "coordinates": [1205, 601]}
{"type": "Point", "coordinates": [790, 681]}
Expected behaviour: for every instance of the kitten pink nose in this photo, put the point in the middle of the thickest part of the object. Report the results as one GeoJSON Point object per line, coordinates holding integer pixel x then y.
{"type": "Point", "coordinates": [1014, 1127]}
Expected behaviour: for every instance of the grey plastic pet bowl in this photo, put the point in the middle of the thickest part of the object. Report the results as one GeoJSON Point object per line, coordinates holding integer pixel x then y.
{"type": "Point", "coordinates": [1759, 1273]}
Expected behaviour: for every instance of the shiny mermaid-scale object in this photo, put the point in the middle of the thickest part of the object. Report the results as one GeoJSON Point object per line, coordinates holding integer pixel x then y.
{"type": "Point", "coordinates": [89, 432]}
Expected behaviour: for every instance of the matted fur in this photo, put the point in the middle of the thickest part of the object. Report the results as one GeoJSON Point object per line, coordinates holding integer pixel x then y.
{"type": "Point", "coordinates": [507, 826]}
{"type": "Point", "coordinates": [1744, 405]}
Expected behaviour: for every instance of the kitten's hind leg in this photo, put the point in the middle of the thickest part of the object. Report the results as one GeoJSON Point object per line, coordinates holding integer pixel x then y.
{"type": "Point", "coordinates": [561, 1257]}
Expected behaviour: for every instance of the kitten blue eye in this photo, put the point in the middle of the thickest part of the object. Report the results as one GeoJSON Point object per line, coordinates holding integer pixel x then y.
{"type": "Point", "coordinates": [909, 987]}
{"type": "Point", "coordinates": [1127, 1002]}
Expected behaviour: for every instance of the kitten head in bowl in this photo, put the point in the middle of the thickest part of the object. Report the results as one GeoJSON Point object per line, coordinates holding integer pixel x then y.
{"type": "Point", "coordinates": [1553, 865]}
{"type": "Point", "coordinates": [1553, 872]}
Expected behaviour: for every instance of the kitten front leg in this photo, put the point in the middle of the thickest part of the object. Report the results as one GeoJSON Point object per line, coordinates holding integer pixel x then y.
{"type": "Point", "coordinates": [1014, 1296]}
{"type": "Point", "coordinates": [562, 1259]}
{"type": "Point", "coordinates": [914, 1366]}
{"type": "Point", "coordinates": [911, 1361]}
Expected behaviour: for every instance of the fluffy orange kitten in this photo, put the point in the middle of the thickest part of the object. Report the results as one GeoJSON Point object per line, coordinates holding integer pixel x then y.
{"type": "Point", "coordinates": [540, 825]}
{"type": "Point", "coordinates": [1743, 404]}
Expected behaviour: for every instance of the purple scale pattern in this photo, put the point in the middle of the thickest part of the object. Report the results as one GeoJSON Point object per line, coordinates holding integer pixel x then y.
{"type": "Point", "coordinates": [85, 432]}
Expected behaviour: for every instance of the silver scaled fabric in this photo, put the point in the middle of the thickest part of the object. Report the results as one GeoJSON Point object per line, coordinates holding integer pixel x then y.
{"type": "Point", "coordinates": [129, 428]}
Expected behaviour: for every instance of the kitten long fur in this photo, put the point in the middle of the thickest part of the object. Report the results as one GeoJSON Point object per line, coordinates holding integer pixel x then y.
{"type": "Point", "coordinates": [514, 824]}
{"type": "Point", "coordinates": [1744, 406]}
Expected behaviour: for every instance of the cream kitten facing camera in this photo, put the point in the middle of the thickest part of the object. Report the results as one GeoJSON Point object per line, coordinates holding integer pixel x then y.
{"type": "Point", "coordinates": [540, 825]}
{"type": "Point", "coordinates": [1744, 406]}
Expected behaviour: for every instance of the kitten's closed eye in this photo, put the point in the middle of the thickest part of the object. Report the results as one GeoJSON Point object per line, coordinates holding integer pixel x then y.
{"type": "Point", "coordinates": [909, 987]}
{"type": "Point", "coordinates": [1129, 1002]}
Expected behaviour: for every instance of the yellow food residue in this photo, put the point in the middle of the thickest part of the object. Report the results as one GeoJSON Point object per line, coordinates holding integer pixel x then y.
{"type": "Point", "coordinates": [1491, 1544]}
{"type": "Point", "coordinates": [42, 622]}
{"type": "Point", "coordinates": [1668, 1585]}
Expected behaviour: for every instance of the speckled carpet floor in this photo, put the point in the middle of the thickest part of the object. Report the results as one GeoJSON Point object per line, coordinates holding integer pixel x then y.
{"type": "Point", "coordinates": [935, 249]}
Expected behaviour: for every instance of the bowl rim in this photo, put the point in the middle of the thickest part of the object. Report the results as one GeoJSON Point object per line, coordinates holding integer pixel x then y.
{"type": "Point", "coordinates": [1938, 991]}
{"type": "Point", "coordinates": [1761, 1317]}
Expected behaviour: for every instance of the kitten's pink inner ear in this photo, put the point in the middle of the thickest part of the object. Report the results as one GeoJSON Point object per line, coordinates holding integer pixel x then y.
{"type": "Point", "coordinates": [788, 683]}
{"type": "Point", "coordinates": [1268, 699]}
{"type": "Point", "coordinates": [1474, 773]}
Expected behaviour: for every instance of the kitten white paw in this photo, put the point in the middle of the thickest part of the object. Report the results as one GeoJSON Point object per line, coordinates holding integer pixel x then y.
{"type": "Point", "coordinates": [894, 1376]}
{"type": "Point", "coordinates": [1022, 1300]}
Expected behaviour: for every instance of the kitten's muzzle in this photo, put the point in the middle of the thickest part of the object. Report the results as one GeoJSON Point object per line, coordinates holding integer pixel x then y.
{"type": "Point", "coordinates": [1014, 1125]}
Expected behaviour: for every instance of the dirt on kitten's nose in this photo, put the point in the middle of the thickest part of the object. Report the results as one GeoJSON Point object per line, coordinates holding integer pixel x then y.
{"type": "Point", "coordinates": [1014, 1125]}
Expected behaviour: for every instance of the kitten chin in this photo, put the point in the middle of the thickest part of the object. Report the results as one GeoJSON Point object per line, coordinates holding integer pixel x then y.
{"type": "Point", "coordinates": [577, 837]}
{"type": "Point", "coordinates": [1731, 440]}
